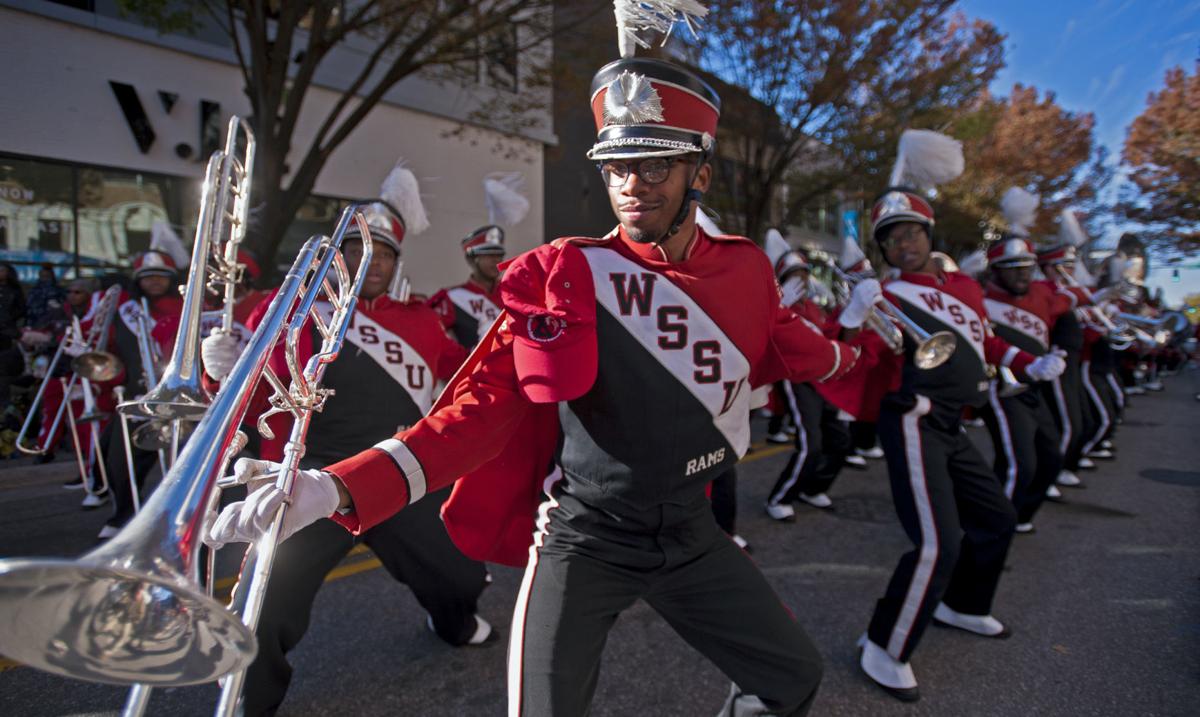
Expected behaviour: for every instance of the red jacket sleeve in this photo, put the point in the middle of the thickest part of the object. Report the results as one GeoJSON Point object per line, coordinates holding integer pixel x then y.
{"type": "Point", "coordinates": [471, 424]}
{"type": "Point", "coordinates": [443, 307]}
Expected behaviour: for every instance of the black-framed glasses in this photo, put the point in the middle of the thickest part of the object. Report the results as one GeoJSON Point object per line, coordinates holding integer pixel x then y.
{"type": "Point", "coordinates": [651, 170]}
{"type": "Point", "coordinates": [903, 235]}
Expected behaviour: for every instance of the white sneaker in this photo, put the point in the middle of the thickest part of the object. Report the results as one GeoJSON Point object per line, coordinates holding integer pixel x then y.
{"type": "Point", "coordinates": [781, 511]}
{"type": "Point", "coordinates": [483, 631]}
{"type": "Point", "coordinates": [740, 542]}
{"type": "Point", "coordinates": [107, 532]}
{"type": "Point", "coordinates": [1024, 527]}
{"type": "Point", "coordinates": [1134, 390]}
{"type": "Point", "coordinates": [1087, 463]}
{"type": "Point", "coordinates": [1153, 386]}
{"type": "Point", "coordinates": [1053, 493]}
{"type": "Point", "coordinates": [872, 452]}
{"type": "Point", "coordinates": [820, 500]}
{"type": "Point", "coordinates": [973, 423]}
{"type": "Point", "coordinates": [94, 500]}
{"type": "Point", "coordinates": [1101, 454]}
{"type": "Point", "coordinates": [781, 437]}
{"type": "Point", "coordinates": [1106, 444]}
{"type": "Point", "coordinates": [1068, 479]}
{"type": "Point", "coordinates": [895, 677]}
{"type": "Point", "coordinates": [856, 461]}
{"type": "Point", "coordinates": [984, 625]}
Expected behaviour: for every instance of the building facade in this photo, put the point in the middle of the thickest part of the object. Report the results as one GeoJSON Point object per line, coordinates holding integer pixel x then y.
{"type": "Point", "coordinates": [107, 125]}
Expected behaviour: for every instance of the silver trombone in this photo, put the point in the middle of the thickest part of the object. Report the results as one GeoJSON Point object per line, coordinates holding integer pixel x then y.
{"type": "Point", "coordinates": [134, 610]}
{"type": "Point", "coordinates": [88, 359]}
{"type": "Point", "coordinates": [220, 227]}
{"type": "Point", "coordinates": [1119, 334]}
{"type": "Point", "coordinates": [1151, 333]}
{"type": "Point", "coordinates": [892, 324]}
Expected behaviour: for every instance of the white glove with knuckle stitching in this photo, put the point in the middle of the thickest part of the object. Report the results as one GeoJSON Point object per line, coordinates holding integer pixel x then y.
{"type": "Point", "coordinates": [862, 299]}
{"type": "Point", "coordinates": [1046, 368]}
{"type": "Point", "coordinates": [219, 351]}
{"type": "Point", "coordinates": [314, 496]}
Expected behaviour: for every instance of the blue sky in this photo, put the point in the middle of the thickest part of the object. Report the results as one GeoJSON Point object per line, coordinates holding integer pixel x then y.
{"type": "Point", "coordinates": [1102, 57]}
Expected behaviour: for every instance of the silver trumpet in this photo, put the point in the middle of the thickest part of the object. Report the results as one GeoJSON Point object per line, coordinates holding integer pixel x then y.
{"type": "Point", "coordinates": [134, 610]}
{"type": "Point", "coordinates": [892, 324]}
{"type": "Point", "coordinates": [92, 362]}
{"type": "Point", "coordinates": [220, 227]}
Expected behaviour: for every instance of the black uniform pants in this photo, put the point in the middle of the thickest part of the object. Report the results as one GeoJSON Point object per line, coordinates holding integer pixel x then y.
{"type": "Point", "coordinates": [724, 500]}
{"type": "Point", "coordinates": [708, 590]}
{"type": "Point", "coordinates": [822, 442]}
{"type": "Point", "coordinates": [1102, 405]}
{"type": "Point", "coordinates": [1027, 446]}
{"type": "Point", "coordinates": [120, 483]}
{"type": "Point", "coordinates": [414, 548]}
{"type": "Point", "coordinates": [1064, 395]}
{"type": "Point", "coordinates": [953, 510]}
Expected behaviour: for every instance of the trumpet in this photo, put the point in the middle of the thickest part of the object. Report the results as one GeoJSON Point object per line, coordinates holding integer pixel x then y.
{"type": "Point", "coordinates": [134, 610]}
{"type": "Point", "coordinates": [892, 324]}
{"type": "Point", "coordinates": [88, 361]}
{"type": "Point", "coordinates": [224, 205]}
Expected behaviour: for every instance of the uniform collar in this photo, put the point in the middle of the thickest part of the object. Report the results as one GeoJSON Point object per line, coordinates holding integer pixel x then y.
{"type": "Point", "coordinates": [924, 279]}
{"type": "Point", "coordinates": [655, 254]}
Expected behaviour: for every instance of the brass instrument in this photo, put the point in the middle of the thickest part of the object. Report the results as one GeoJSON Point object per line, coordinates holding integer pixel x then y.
{"type": "Point", "coordinates": [224, 205]}
{"type": "Point", "coordinates": [892, 325]}
{"type": "Point", "coordinates": [134, 610]}
{"type": "Point", "coordinates": [90, 361]}
{"type": "Point", "coordinates": [1120, 335]}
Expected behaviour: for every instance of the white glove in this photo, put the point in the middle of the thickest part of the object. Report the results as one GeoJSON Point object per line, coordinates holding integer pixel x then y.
{"type": "Point", "coordinates": [220, 352]}
{"type": "Point", "coordinates": [314, 496]}
{"type": "Point", "coordinates": [866, 293]}
{"type": "Point", "coordinates": [74, 349]}
{"type": "Point", "coordinates": [1045, 368]}
{"type": "Point", "coordinates": [792, 290]}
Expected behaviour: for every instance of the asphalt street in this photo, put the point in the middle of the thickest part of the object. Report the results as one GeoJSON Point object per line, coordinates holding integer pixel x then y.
{"type": "Point", "coordinates": [1103, 600]}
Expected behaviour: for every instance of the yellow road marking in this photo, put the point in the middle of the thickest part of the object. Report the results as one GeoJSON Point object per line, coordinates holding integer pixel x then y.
{"type": "Point", "coordinates": [361, 566]}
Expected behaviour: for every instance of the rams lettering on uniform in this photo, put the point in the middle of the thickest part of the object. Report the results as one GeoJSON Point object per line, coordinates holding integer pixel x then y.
{"type": "Point", "coordinates": [706, 461]}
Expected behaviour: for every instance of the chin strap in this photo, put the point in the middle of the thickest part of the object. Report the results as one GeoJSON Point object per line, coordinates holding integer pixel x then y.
{"type": "Point", "coordinates": [691, 195]}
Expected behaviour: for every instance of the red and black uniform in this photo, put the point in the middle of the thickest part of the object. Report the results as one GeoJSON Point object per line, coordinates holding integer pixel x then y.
{"type": "Point", "coordinates": [662, 412]}
{"type": "Point", "coordinates": [383, 380]}
{"type": "Point", "coordinates": [946, 497]}
{"type": "Point", "coordinates": [1104, 398]}
{"type": "Point", "coordinates": [468, 310]}
{"type": "Point", "coordinates": [822, 437]}
{"type": "Point", "coordinates": [1027, 441]}
{"type": "Point", "coordinates": [163, 322]}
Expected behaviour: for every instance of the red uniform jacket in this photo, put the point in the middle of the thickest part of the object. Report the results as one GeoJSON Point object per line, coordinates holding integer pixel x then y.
{"type": "Point", "coordinates": [498, 446]}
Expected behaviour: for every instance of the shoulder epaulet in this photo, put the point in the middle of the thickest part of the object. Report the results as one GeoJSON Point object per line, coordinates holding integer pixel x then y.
{"type": "Point", "coordinates": [729, 238]}
{"type": "Point", "coordinates": [581, 241]}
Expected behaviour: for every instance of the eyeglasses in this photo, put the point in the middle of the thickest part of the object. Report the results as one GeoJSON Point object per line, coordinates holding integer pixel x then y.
{"type": "Point", "coordinates": [652, 170]}
{"type": "Point", "coordinates": [903, 236]}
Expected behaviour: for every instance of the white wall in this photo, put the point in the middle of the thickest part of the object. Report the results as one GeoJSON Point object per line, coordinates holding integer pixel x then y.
{"type": "Point", "coordinates": [57, 103]}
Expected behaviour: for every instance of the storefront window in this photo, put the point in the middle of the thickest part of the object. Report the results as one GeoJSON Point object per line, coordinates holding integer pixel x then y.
{"type": "Point", "coordinates": [117, 210]}
{"type": "Point", "coordinates": [318, 215]}
{"type": "Point", "coordinates": [36, 215]}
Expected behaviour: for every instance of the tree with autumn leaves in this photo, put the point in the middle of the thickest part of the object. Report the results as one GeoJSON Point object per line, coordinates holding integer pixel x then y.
{"type": "Point", "coordinates": [1162, 150]}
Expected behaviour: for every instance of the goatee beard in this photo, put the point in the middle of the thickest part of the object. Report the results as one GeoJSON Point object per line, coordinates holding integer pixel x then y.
{"type": "Point", "coordinates": [639, 236]}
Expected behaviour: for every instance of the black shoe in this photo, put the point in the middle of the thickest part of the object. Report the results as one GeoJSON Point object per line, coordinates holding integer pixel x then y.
{"type": "Point", "coordinates": [75, 483]}
{"type": "Point", "coordinates": [43, 458]}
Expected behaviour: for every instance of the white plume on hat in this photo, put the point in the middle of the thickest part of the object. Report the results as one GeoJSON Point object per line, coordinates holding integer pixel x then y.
{"type": "Point", "coordinates": [656, 15]}
{"type": "Point", "coordinates": [926, 159]}
{"type": "Point", "coordinates": [400, 189]}
{"type": "Point", "coordinates": [163, 238]}
{"type": "Point", "coordinates": [973, 264]}
{"type": "Point", "coordinates": [851, 254]}
{"type": "Point", "coordinates": [1019, 208]}
{"type": "Point", "coordinates": [1069, 230]}
{"type": "Point", "coordinates": [506, 204]}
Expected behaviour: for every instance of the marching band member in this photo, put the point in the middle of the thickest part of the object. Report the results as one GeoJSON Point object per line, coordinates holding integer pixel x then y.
{"type": "Point", "coordinates": [1025, 313]}
{"type": "Point", "coordinates": [627, 361]}
{"type": "Point", "coordinates": [469, 309]}
{"type": "Point", "coordinates": [384, 377]}
{"type": "Point", "coordinates": [155, 278]}
{"type": "Point", "coordinates": [948, 500]}
{"type": "Point", "coordinates": [822, 439]}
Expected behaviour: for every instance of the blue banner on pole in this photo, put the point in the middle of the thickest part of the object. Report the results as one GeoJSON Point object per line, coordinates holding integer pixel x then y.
{"type": "Point", "coordinates": [850, 224]}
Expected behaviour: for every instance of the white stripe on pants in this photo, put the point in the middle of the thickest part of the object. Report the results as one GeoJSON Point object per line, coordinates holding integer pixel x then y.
{"type": "Point", "coordinates": [929, 537]}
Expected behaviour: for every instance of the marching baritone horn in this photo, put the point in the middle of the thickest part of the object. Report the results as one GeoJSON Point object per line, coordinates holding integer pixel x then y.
{"type": "Point", "coordinates": [134, 610]}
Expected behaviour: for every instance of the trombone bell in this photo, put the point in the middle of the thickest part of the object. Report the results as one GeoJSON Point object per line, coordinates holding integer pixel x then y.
{"type": "Point", "coordinates": [104, 618]}
{"type": "Point", "coordinates": [97, 366]}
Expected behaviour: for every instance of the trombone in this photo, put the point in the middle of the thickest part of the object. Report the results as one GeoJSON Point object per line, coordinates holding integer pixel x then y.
{"type": "Point", "coordinates": [1120, 335]}
{"type": "Point", "coordinates": [892, 325]}
{"type": "Point", "coordinates": [224, 205]}
{"type": "Point", "coordinates": [133, 611]}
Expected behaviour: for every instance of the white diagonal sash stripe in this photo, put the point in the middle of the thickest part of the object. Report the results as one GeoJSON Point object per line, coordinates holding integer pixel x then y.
{"type": "Point", "coordinates": [953, 314]}
{"type": "Point", "coordinates": [475, 305]}
{"type": "Point", "coordinates": [729, 416]}
{"type": "Point", "coordinates": [1019, 320]}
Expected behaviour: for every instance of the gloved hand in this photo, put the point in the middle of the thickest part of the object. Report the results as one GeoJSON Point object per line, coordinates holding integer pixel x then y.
{"type": "Point", "coordinates": [862, 299]}
{"type": "Point", "coordinates": [219, 351]}
{"type": "Point", "coordinates": [314, 496]}
{"type": "Point", "coordinates": [792, 290]}
{"type": "Point", "coordinates": [1046, 368]}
